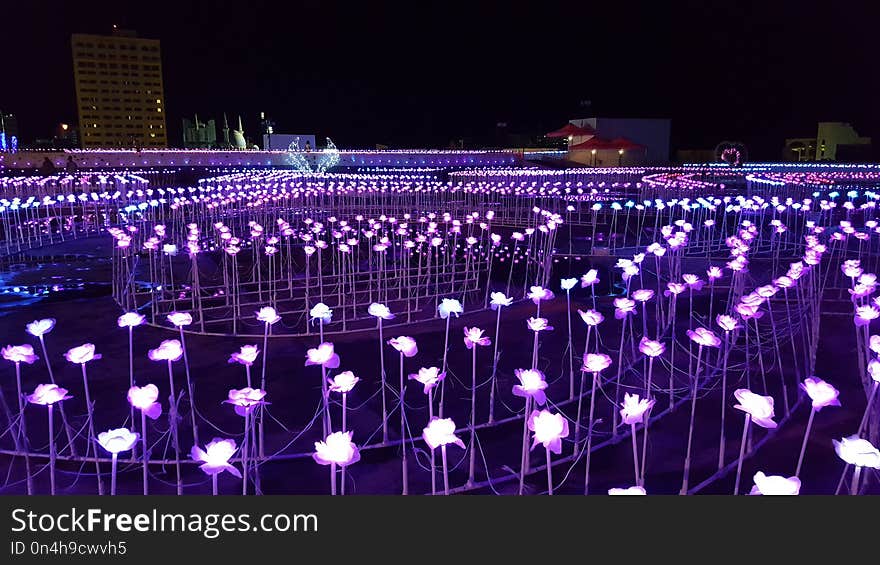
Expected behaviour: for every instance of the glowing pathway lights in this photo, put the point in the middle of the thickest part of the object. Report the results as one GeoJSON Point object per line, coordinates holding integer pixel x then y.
{"type": "Point", "coordinates": [19, 354]}
{"type": "Point", "coordinates": [703, 338]}
{"type": "Point", "coordinates": [48, 395]}
{"type": "Point", "coordinates": [81, 355]}
{"type": "Point", "coordinates": [594, 363]}
{"type": "Point", "coordinates": [758, 409]}
{"type": "Point", "coordinates": [116, 441]}
{"type": "Point", "coordinates": [381, 312]}
{"type": "Point", "coordinates": [337, 449]}
{"type": "Point", "coordinates": [499, 301]}
{"type": "Point", "coordinates": [472, 338]}
{"type": "Point", "coordinates": [821, 394]}
{"type": "Point", "coordinates": [145, 399]}
{"type": "Point", "coordinates": [170, 351]}
{"type": "Point", "coordinates": [440, 432]}
{"type": "Point", "coordinates": [775, 485]}
{"type": "Point", "coordinates": [548, 429]}
{"type": "Point", "coordinates": [215, 459]}
{"type": "Point", "coordinates": [406, 347]}
{"type": "Point", "coordinates": [860, 453]}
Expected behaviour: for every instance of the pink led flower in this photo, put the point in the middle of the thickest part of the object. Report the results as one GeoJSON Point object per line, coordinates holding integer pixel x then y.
{"type": "Point", "coordinates": [343, 382]}
{"type": "Point", "coordinates": [245, 399]}
{"type": "Point", "coordinates": [874, 370]}
{"type": "Point", "coordinates": [48, 394]}
{"type": "Point", "coordinates": [623, 307]}
{"type": "Point", "coordinates": [405, 345]}
{"type": "Point", "coordinates": [118, 440]}
{"type": "Point", "coordinates": [548, 430]}
{"type": "Point", "coordinates": [692, 281]}
{"type": "Point", "coordinates": [268, 315]}
{"type": "Point", "coordinates": [596, 362]}
{"type": "Point", "coordinates": [651, 348]}
{"type": "Point", "coordinates": [323, 355]}
{"type": "Point", "coordinates": [866, 314]}
{"type": "Point", "coordinates": [180, 319]}
{"type": "Point", "coordinates": [449, 306]}
{"type": "Point", "coordinates": [630, 491]}
{"type": "Point", "coordinates": [322, 313]}
{"type": "Point", "coordinates": [714, 273]}
{"type": "Point", "coordinates": [674, 289]}
{"type": "Point", "coordinates": [760, 408]}
{"type": "Point", "coordinates": [591, 317]}
{"type": "Point", "coordinates": [439, 432]}
{"type": "Point", "coordinates": [337, 448]}
{"type": "Point", "coordinates": [380, 311]}
{"type": "Point", "coordinates": [820, 392]}
{"type": "Point", "coordinates": [215, 457]}
{"type": "Point", "coordinates": [589, 278]}
{"type": "Point", "coordinates": [246, 355]}
{"type": "Point", "coordinates": [144, 399]}
{"type": "Point", "coordinates": [704, 337]}
{"type": "Point", "coordinates": [857, 451]}
{"type": "Point", "coordinates": [643, 295]}
{"type": "Point", "coordinates": [39, 328]}
{"type": "Point", "coordinates": [775, 485]}
{"type": "Point", "coordinates": [130, 320]}
{"type": "Point", "coordinates": [567, 284]}
{"type": "Point", "coordinates": [429, 377]}
{"type": "Point", "coordinates": [538, 324]}
{"type": "Point", "coordinates": [633, 408]}
{"type": "Point", "coordinates": [874, 344]}
{"type": "Point", "coordinates": [748, 312]}
{"type": "Point", "coordinates": [499, 300]}
{"type": "Point", "coordinates": [82, 354]}
{"type": "Point", "coordinates": [474, 336]}
{"type": "Point", "coordinates": [168, 350]}
{"type": "Point", "coordinates": [726, 323]}
{"type": "Point", "coordinates": [19, 354]}
{"type": "Point", "coordinates": [539, 293]}
{"type": "Point", "coordinates": [532, 384]}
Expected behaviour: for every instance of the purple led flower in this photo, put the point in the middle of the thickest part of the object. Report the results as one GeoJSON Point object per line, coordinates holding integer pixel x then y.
{"type": "Point", "coordinates": [19, 354]}
{"type": "Point", "coordinates": [215, 457]}
{"type": "Point", "coordinates": [548, 429]}
{"type": "Point", "coordinates": [760, 408]}
{"type": "Point", "coordinates": [531, 384]}
{"type": "Point", "coordinates": [48, 394]}
{"type": "Point", "coordinates": [821, 393]}
{"type": "Point", "coordinates": [337, 448]}
{"type": "Point", "coordinates": [323, 355]}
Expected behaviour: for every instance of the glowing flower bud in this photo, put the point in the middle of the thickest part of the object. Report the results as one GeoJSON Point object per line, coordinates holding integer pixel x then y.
{"type": "Point", "coordinates": [48, 394]}
{"type": "Point", "coordinates": [726, 323]}
{"type": "Point", "coordinates": [439, 432]}
{"type": "Point", "coordinates": [380, 311]}
{"type": "Point", "coordinates": [857, 451]}
{"type": "Point", "coordinates": [596, 362]}
{"type": "Point", "coordinates": [144, 399]}
{"type": "Point", "coordinates": [82, 354]}
{"type": "Point", "coordinates": [168, 350]}
{"type": "Point", "coordinates": [343, 382]}
{"type": "Point", "coordinates": [179, 319]}
{"type": "Point", "coordinates": [821, 393]}
{"type": "Point", "coordinates": [631, 491]}
{"type": "Point", "coordinates": [404, 344]}
{"type": "Point", "coordinates": [323, 355]}
{"type": "Point", "coordinates": [39, 328]}
{"type": "Point", "coordinates": [591, 317]}
{"type": "Point", "coordinates": [704, 337]}
{"type": "Point", "coordinates": [532, 384]}
{"type": "Point", "coordinates": [130, 320]}
{"type": "Point", "coordinates": [19, 354]}
{"type": "Point", "coordinates": [245, 399]}
{"type": "Point", "coordinates": [321, 313]}
{"type": "Point", "coordinates": [651, 348]}
{"type": "Point", "coordinates": [548, 429]}
{"type": "Point", "coordinates": [449, 306]}
{"type": "Point", "coordinates": [268, 315]}
{"type": "Point", "coordinates": [634, 409]}
{"type": "Point", "coordinates": [568, 284]}
{"type": "Point", "coordinates": [118, 440]}
{"type": "Point", "coordinates": [246, 355]}
{"type": "Point", "coordinates": [474, 336]}
{"type": "Point", "coordinates": [498, 299]}
{"type": "Point", "coordinates": [429, 377]}
{"type": "Point", "coordinates": [775, 485]}
{"type": "Point", "coordinates": [589, 278]}
{"type": "Point", "coordinates": [215, 457]}
{"type": "Point", "coordinates": [336, 448]}
{"type": "Point", "coordinates": [760, 408]}
{"type": "Point", "coordinates": [539, 293]}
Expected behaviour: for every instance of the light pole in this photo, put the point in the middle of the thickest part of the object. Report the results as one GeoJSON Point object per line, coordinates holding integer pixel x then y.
{"type": "Point", "coordinates": [619, 157]}
{"type": "Point", "coordinates": [593, 153]}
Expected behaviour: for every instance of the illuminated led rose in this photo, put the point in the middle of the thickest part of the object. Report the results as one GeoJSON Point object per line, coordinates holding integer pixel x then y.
{"type": "Point", "coordinates": [168, 350]}
{"type": "Point", "coordinates": [538, 324]}
{"type": "Point", "coordinates": [726, 323]}
{"type": "Point", "coordinates": [633, 408]}
{"type": "Point", "coordinates": [674, 289]}
{"type": "Point", "coordinates": [322, 313]}
{"type": "Point", "coordinates": [704, 337]}
{"type": "Point", "coordinates": [874, 370]}
{"type": "Point", "coordinates": [760, 408]}
{"type": "Point", "coordinates": [532, 383]}
{"type": "Point", "coordinates": [429, 377]}
{"type": "Point", "coordinates": [474, 336]}
{"type": "Point", "coordinates": [180, 319]}
{"type": "Point", "coordinates": [38, 328]}
{"type": "Point", "coordinates": [591, 317]}
{"type": "Point", "coordinates": [775, 485]}
{"type": "Point", "coordinates": [245, 399]}
{"type": "Point", "coordinates": [590, 278]}
{"type": "Point", "coordinates": [857, 451]}
{"type": "Point", "coordinates": [692, 281]}
{"type": "Point", "coordinates": [118, 440]}
{"type": "Point", "coordinates": [246, 355]}
{"type": "Point", "coordinates": [643, 295]}
{"type": "Point", "coordinates": [404, 344]}
{"type": "Point", "coordinates": [498, 299]}
{"type": "Point", "coordinates": [323, 355]}
{"type": "Point", "coordinates": [623, 307]}
{"type": "Point", "coordinates": [47, 394]}
{"type": "Point", "coordinates": [144, 399]}
{"type": "Point", "coordinates": [449, 306]}
{"type": "Point", "coordinates": [651, 348]}
{"type": "Point", "coordinates": [548, 429]}
{"type": "Point", "coordinates": [539, 293]}
{"type": "Point", "coordinates": [821, 393]}
{"type": "Point", "coordinates": [596, 362]}
{"type": "Point", "coordinates": [82, 354]}
{"type": "Point", "coordinates": [343, 382]}
{"type": "Point", "coordinates": [130, 320]}
{"type": "Point", "coordinates": [866, 314]}
{"type": "Point", "coordinates": [714, 272]}
{"type": "Point", "coordinates": [630, 491]}
{"type": "Point", "coordinates": [268, 315]}
{"type": "Point", "coordinates": [439, 432]}
{"type": "Point", "coordinates": [19, 354]}
{"type": "Point", "coordinates": [380, 311]}
{"type": "Point", "coordinates": [336, 448]}
{"type": "Point", "coordinates": [215, 457]}
{"type": "Point", "coordinates": [568, 284]}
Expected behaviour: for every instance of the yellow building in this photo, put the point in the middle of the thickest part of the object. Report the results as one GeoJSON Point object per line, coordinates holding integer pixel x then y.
{"type": "Point", "coordinates": [119, 93]}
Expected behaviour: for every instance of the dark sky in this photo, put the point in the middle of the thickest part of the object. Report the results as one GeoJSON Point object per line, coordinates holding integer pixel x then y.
{"type": "Point", "coordinates": [422, 73]}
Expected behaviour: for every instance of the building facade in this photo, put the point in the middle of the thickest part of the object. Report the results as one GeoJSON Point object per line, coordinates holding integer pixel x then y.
{"type": "Point", "coordinates": [198, 134]}
{"type": "Point", "coordinates": [834, 141]}
{"type": "Point", "coordinates": [119, 92]}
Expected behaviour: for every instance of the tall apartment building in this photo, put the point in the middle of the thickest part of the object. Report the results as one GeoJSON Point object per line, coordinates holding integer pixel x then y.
{"type": "Point", "coordinates": [119, 93]}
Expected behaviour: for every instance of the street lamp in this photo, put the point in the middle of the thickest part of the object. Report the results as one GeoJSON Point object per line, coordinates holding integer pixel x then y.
{"type": "Point", "coordinates": [619, 157]}
{"type": "Point", "coordinates": [593, 153]}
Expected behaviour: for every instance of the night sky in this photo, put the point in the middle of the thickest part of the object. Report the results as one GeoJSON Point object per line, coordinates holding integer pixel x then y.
{"type": "Point", "coordinates": [422, 74]}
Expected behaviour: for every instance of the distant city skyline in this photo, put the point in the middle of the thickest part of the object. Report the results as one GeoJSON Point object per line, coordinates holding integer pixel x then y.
{"type": "Point", "coordinates": [371, 75]}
